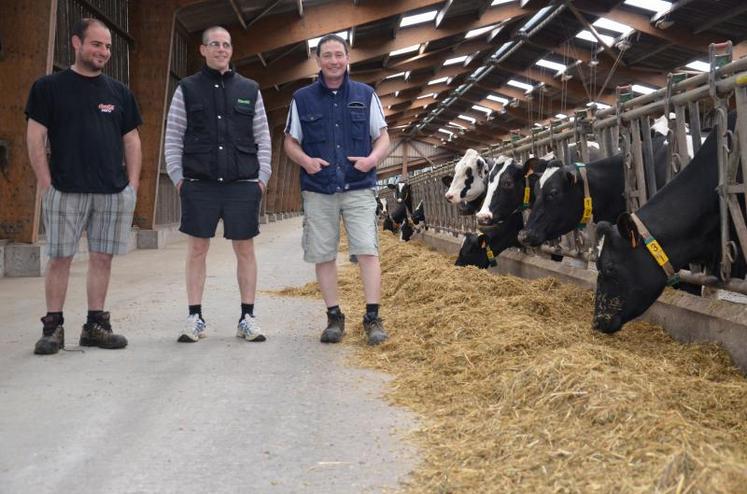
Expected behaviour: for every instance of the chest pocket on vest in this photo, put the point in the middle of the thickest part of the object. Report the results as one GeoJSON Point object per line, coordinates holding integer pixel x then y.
{"type": "Point", "coordinates": [243, 120]}
{"type": "Point", "coordinates": [359, 129]}
{"type": "Point", "coordinates": [313, 128]}
{"type": "Point", "coordinates": [197, 117]}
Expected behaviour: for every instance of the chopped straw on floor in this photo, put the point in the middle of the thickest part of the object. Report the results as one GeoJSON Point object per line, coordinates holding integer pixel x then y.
{"type": "Point", "coordinates": [517, 394]}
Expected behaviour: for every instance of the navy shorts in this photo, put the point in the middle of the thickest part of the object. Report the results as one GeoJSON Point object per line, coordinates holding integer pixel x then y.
{"type": "Point", "coordinates": [236, 203]}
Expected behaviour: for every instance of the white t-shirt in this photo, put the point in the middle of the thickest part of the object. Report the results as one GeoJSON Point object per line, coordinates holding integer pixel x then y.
{"type": "Point", "coordinates": [376, 120]}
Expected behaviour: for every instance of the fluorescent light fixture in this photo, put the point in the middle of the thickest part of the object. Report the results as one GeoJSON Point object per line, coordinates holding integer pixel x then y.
{"type": "Point", "coordinates": [430, 95]}
{"type": "Point", "coordinates": [586, 35]}
{"type": "Point", "coordinates": [461, 88]}
{"type": "Point", "coordinates": [642, 89]}
{"type": "Point", "coordinates": [437, 81]}
{"type": "Point", "coordinates": [610, 25]}
{"type": "Point", "coordinates": [394, 76]}
{"type": "Point", "coordinates": [477, 32]}
{"type": "Point", "coordinates": [411, 20]}
{"type": "Point", "coordinates": [500, 2]}
{"type": "Point", "coordinates": [446, 131]}
{"type": "Point", "coordinates": [561, 116]}
{"type": "Point", "coordinates": [402, 51]}
{"type": "Point", "coordinates": [548, 64]}
{"type": "Point", "coordinates": [520, 85]}
{"type": "Point", "coordinates": [315, 41]}
{"type": "Point", "coordinates": [499, 99]}
{"type": "Point", "coordinates": [503, 49]}
{"type": "Point", "coordinates": [487, 111]}
{"type": "Point", "coordinates": [454, 124]}
{"type": "Point", "coordinates": [477, 72]}
{"type": "Point", "coordinates": [601, 106]}
{"type": "Point", "coordinates": [455, 60]}
{"type": "Point", "coordinates": [657, 6]}
{"type": "Point", "coordinates": [467, 118]}
{"type": "Point", "coordinates": [536, 18]}
{"type": "Point", "coordinates": [698, 65]}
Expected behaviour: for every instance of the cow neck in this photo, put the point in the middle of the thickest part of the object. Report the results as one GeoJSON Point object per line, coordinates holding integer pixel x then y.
{"type": "Point", "coordinates": [586, 215]}
{"type": "Point", "coordinates": [656, 250]}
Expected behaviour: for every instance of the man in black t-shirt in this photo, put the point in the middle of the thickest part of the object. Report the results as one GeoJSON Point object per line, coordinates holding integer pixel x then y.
{"type": "Point", "coordinates": [89, 181]}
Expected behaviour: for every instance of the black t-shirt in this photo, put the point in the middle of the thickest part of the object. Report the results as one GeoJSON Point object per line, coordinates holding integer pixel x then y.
{"type": "Point", "coordinates": [85, 118]}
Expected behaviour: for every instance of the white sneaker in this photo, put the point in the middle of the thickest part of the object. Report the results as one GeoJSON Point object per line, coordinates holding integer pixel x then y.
{"type": "Point", "coordinates": [194, 329]}
{"type": "Point", "coordinates": [249, 329]}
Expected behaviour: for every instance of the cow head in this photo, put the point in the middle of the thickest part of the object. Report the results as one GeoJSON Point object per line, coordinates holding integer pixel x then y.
{"type": "Point", "coordinates": [558, 204]}
{"type": "Point", "coordinates": [629, 280]}
{"type": "Point", "coordinates": [418, 215]}
{"type": "Point", "coordinates": [470, 174]}
{"type": "Point", "coordinates": [473, 251]}
{"type": "Point", "coordinates": [403, 201]}
{"type": "Point", "coordinates": [506, 190]}
{"type": "Point", "coordinates": [406, 231]}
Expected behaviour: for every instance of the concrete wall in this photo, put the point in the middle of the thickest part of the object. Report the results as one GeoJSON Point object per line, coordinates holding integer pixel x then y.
{"type": "Point", "coordinates": [686, 317]}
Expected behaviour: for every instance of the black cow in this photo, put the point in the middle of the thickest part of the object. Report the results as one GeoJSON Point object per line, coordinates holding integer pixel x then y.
{"type": "Point", "coordinates": [684, 218]}
{"type": "Point", "coordinates": [500, 237]}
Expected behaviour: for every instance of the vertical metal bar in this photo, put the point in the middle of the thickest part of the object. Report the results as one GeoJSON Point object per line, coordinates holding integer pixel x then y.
{"type": "Point", "coordinates": [695, 133]}
{"type": "Point", "coordinates": [637, 160]}
{"type": "Point", "coordinates": [648, 157]}
{"type": "Point", "coordinates": [680, 134]}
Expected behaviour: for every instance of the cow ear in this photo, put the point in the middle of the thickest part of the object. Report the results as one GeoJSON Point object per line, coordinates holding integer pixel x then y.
{"type": "Point", "coordinates": [392, 186]}
{"type": "Point", "coordinates": [572, 174]}
{"type": "Point", "coordinates": [628, 229]}
{"type": "Point", "coordinates": [446, 180]}
{"type": "Point", "coordinates": [481, 166]}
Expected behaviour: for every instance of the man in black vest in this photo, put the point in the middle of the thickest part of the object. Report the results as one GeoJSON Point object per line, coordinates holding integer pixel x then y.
{"type": "Point", "coordinates": [217, 151]}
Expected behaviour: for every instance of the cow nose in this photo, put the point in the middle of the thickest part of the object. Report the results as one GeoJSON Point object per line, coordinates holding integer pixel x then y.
{"type": "Point", "coordinates": [523, 237]}
{"type": "Point", "coordinates": [483, 217]}
{"type": "Point", "coordinates": [449, 196]}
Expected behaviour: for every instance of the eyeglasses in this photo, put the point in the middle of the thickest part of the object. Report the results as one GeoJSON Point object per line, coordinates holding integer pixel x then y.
{"type": "Point", "coordinates": [217, 44]}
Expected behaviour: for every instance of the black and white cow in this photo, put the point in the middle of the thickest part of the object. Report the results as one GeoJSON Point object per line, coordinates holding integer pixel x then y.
{"type": "Point", "coordinates": [402, 202]}
{"type": "Point", "coordinates": [474, 249]}
{"type": "Point", "coordinates": [684, 219]}
{"type": "Point", "coordinates": [468, 185]}
{"type": "Point", "coordinates": [418, 215]}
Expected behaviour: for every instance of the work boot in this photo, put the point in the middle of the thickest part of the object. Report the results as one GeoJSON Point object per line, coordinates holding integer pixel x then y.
{"type": "Point", "coordinates": [374, 328]}
{"type": "Point", "coordinates": [335, 328]}
{"type": "Point", "coordinates": [99, 333]}
{"type": "Point", "coordinates": [53, 336]}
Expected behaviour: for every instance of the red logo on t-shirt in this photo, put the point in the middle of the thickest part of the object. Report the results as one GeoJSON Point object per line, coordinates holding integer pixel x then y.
{"type": "Point", "coordinates": [106, 108]}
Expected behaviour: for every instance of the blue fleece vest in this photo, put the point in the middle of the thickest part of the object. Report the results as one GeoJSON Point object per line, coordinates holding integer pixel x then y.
{"type": "Point", "coordinates": [335, 126]}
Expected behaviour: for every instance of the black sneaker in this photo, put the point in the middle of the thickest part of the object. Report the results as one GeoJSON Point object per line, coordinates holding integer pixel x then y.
{"type": "Point", "coordinates": [99, 333]}
{"type": "Point", "coordinates": [374, 328]}
{"type": "Point", "coordinates": [53, 336]}
{"type": "Point", "coordinates": [335, 328]}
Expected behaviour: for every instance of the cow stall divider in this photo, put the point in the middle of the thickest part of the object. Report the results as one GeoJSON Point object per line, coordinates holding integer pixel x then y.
{"type": "Point", "coordinates": [692, 103]}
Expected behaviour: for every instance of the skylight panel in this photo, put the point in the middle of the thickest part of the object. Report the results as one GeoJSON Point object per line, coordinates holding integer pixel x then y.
{"type": "Point", "coordinates": [438, 81]}
{"type": "Point", "coordinates": [520, 85]}
{"type": "Point", "coordinates": [402, 51]}
{"type": "Point", "coordinates": [396, 94]}
{"type": "Point", "coordinates": [503, 49]}
{"type": "Point", "coordinates": [411, 20]}
{"type": "Point", "coordinates": [445, 131]}
{"type": "Point", "coordinates": [455, 60]}
{"type": "Point", "coordinates": [477, 72]}
{"type": "Point", "coordinates": [536, 18]}
{"type": "Point", "coordinates": [487, 111]}
{"type": "Point", "coordinates": [459, 126]}
{"type": "Point", "coordinates": [549, 64]}
{"type": "Point", "coordinates": [467, 118]}
{"type": "Point", "coordinates": [394, 76]}
{"type": "Point", "coordinates": [656, 6]}
{"type": "Point", "coordinates": [315, 41]}
{"type": "Point", "coordinates": [561, 116]}
{"type": "Point", "coordinates": [500, 2]}
{"type": "Point", "coordinates": [638, 88]}
{"type": "Point", "coordinates": [611, 25]}
{"type": "Point", "coordinates": [698, 65]}
{"type": "Point", "coordinates": [586, 35]}
{"type": "Point", "coordinates": [477, 32]}
{"type": "Point", "coordinates": [499, 99]}
{"type": "Point", "coordinates": [601, 106]}
{"type": "Point", "coordinates": [430, 95]}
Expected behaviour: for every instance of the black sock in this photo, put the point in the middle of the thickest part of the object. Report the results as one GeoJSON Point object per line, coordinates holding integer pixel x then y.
{"type": "Point", "coordinates": [334, 310]}
{"type": "Point", "coordinates": [246, 309]}
{"type": "Point", "coordinates": [196, 309]}
{"type": "Point", "coordinates": [93, 316]}
{"type": "Point", "coordinates": [56, 315]}
{"type": "Point", "coordinates": [372, 311]}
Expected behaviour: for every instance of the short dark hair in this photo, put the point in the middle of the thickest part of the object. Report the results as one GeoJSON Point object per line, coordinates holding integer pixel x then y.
{"type": "Point", "coordinates": [332, 37]}
{"type": "Point", "coordinates": [81, 27]}
{"type": "Point", "coordinates": [206, 33]}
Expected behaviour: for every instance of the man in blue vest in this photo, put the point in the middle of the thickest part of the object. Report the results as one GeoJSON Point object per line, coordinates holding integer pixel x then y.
{"type": "Point", "coordinates": [337, 133]}
{"type": "Point", "coordinates": [217, 151]}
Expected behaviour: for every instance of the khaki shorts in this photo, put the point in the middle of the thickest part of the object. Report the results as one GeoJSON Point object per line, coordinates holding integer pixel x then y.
{"type": "Point", "coordinates": [107, 219]}
{"type": "Point", "coordinates": [321, 224]}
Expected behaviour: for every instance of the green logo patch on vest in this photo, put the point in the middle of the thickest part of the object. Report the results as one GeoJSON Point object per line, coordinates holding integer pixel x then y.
{"type": "Point", "coordinates": [244, 101]}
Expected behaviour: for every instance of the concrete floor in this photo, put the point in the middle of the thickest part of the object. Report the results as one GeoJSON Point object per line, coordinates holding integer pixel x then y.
{"type": "Point", "coordinates": [221, 415]}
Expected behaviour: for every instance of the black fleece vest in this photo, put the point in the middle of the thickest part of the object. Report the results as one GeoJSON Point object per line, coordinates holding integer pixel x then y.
{"type": "Point", "coordinates": [219, 141]}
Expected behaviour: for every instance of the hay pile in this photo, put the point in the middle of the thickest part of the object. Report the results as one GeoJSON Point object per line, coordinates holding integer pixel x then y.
{"type": "Point", "coordinates": [518, 394]}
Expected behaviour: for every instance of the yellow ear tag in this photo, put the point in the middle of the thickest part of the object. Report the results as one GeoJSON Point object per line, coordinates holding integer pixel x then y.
{"type": "Point", "coordinates": [526, 195]}
{"type": "Point", "coordinates": [657, 252]}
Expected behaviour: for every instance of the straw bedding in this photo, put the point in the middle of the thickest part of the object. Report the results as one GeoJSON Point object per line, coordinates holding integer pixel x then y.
{"type": "Point", "coordinates": [518, 394]}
